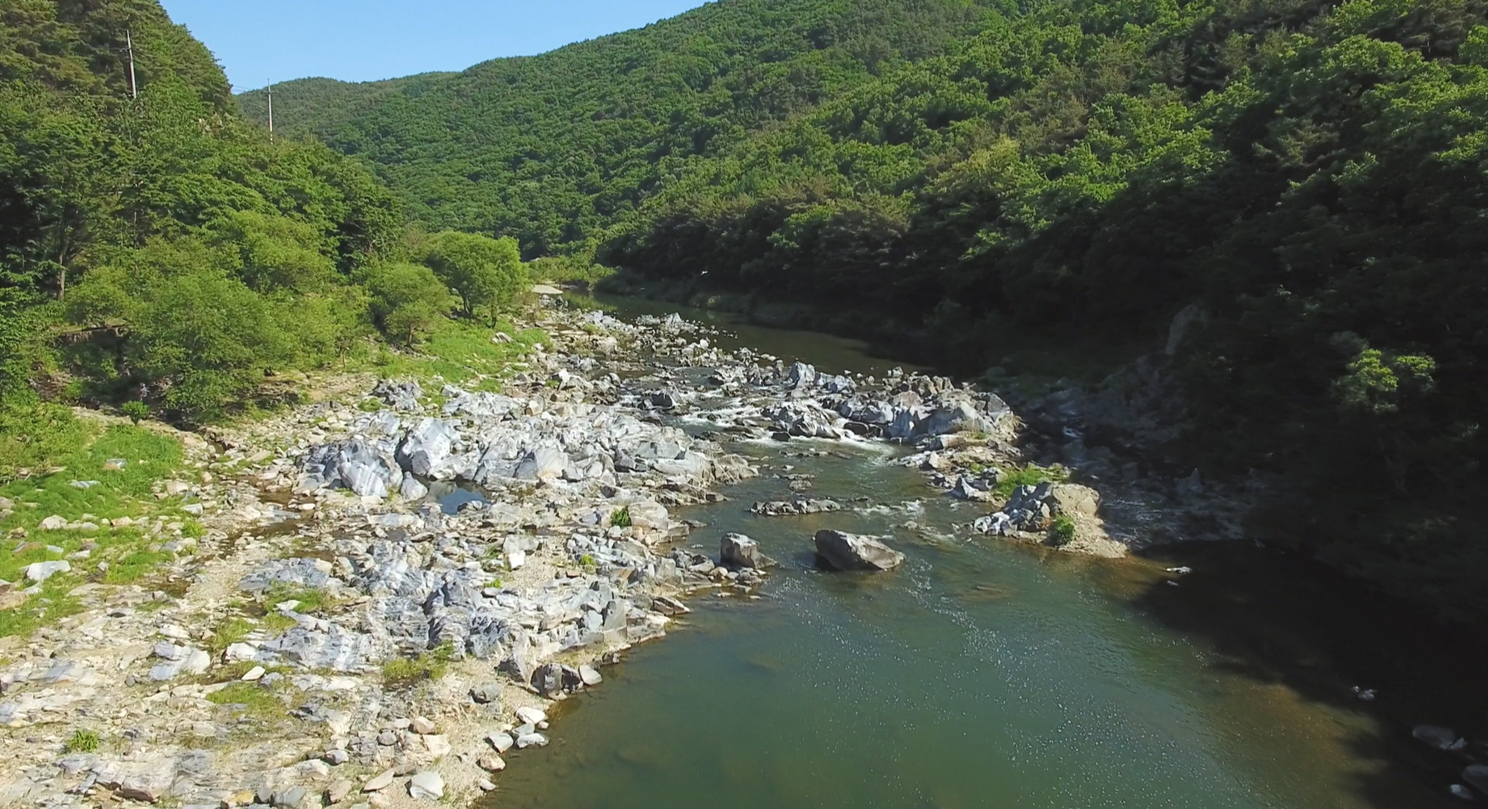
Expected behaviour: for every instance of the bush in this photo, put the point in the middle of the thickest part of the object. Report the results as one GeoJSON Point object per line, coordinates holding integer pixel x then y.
{"type": "Point", "coordinates": [1062, 532]}
{"type": "Point", "coordinates": [136, 411]}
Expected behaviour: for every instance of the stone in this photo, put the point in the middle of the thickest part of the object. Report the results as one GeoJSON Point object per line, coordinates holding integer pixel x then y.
{"type": "Point", "coordinates": [338, 791]}
{"type": "Point", "coordinates": [1477, 775]}
{"type": "Point", "coordinates": [531, 716]}
{"type": "Point", "coordinates": [590, 676]}
{"type": "Point", "coordinates": [548, 679]}
{"type": "Point", "coordinates": [1438, 737]}
{"type": "Point", "coordinates": [148, 785]}
{"type": "Point", "coordinates": [421, 726]}
{"type": "Point", "coordinates": [739, 551]}
{"type": "Point", "coordinates": [379, 782]}
{"type": "Point", "coordinates": [254, 674]}
{"type": "Point", "coordinates": [437, 745]}
{"type": "Point", "coordinates": [427, 785]}
{"type": "Point", "coordinates": [491, 763]}
{"type": "Point", "coordinates": [41, 571]}
{"type": "Point", "coordinates": [412, 489]}
{"type": "Point", "coordinates": [336, 756]}
{"type": "Point", "coordinates": [53, 523]}
{"type": "Point", "coordinates": [486, 693]}
{"type": "Point", "coordinates": [533, 739]}
{"type": "Point", "coordinates": [290, 798]}
{"type": "Point", "coordinates": [500, 742]}
{"type": "Point", "coordinates": [844, 551]}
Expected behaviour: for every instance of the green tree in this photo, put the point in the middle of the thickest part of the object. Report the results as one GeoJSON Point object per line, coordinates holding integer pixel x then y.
{"type": "Point", "coordinates": [407, 300]}
{"type": "Point", "coordinates": [487, 274]}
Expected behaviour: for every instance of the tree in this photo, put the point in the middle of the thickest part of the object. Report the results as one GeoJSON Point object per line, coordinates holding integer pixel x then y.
{"type": "Point", "coordinates": [407, 300]}
{"type": "Point", "coordinates": [486, 273]}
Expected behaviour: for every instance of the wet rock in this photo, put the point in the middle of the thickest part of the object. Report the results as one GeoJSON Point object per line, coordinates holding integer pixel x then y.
{"type": "Point", "coordinates": [740, 551]}
{"type": "Point", "coordinates": [532, 716]}
{"type": "Point", "coordinates": [1477, 775]}
{"type": "Point", "coordinates": [548, 680]}
{"type": "Point", "coordinates": [491, 763]}
{"type": "Point", "coordinates": [843, 551]}
{"type": "Point", "coordinates": [500, 742]}
{"type": "Point", "coordinates": [527, 740]}
{"type": "Point", "coordinates": [1439, 737]}
{"type": "Point", "coordinates": [590, 676]}
{"type": "Point", "coordinates": [797, 507]}
{"type": "Point", "coordinates": [804, 419]}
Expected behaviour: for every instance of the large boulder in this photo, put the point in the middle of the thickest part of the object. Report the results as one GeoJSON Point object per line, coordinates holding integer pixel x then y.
{"type": "Point", "coordinates": [739, 551]}
{"type": "Point", "coordinates": [844, 551]}
{"type": "Point", "coordinates": [543, 463]}
{"type": "Point", "coordinates": [427, 448]}
{"type": "Point", "coordinates": [401, 394]}
{"type": "Point", "coordinates": [363, 466]}
{"type": "Point", "coordinates": [804, 419]}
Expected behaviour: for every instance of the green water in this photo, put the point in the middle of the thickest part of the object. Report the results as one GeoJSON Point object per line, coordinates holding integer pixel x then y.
{"type": "Point", "coordinates": [983, 674]}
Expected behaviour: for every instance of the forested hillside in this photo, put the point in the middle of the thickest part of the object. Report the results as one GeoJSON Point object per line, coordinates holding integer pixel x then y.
{"type": "Point", "coordinates": [553, 148]}
{"type": "Point", "coordinates": [162, 253]}
{"type": "Point", "coordinates": [1309, 175]}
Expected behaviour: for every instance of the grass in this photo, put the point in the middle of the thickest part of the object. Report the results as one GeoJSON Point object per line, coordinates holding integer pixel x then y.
{"type": "Point", "coordinates": [1029, 476]}
{"type": "Point", "coordinates": [128, 492]}
{"type": "Point", "coordinates": [229, 632]}
{"type": "Point", "coordinates": [82, 741]}
{"type": "Point", "coordinates": [460, 352]}
{"type": "Point", "coordinates": [404, 672]}
{"type": "Point", "coordinates": [621, 518]}
{"type": "Point", "coordinates": [250, 698]}
{"type": "Point", "coordinates": [310, 600]}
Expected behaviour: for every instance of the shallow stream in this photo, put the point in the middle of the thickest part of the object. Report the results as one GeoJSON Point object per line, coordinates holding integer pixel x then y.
{"type": "Point", "coordinates": [985, 674]}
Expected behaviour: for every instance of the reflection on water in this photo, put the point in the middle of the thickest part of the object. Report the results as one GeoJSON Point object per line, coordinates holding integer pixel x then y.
{"type": "Point", "coordinates": [983, 674]}
{"type": "Point", "coordinates": [979, 675]}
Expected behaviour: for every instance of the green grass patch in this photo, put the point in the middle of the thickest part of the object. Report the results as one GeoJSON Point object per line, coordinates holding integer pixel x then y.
{"type": "Point", "coordinates": [1030, 476]}
{"type": "Point", "coordinates": [460, 352]}
{"type": "Point", "coordinates": [82, 741]}
{"type": "Point", "coordinates": [134, 565]}
{"type": "Point", "coordinates": [228, 632]}
{"type": "Point", "coordinates": [621, 518]}
{"type": "Point", "coordinates": [310, 601]}
{"type": "Point", "coordinates": [406, 672]}
{"type": "Point", "coordinates": [250, 698]}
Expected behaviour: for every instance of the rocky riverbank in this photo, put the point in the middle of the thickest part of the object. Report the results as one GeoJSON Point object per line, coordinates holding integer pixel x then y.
{"type": "Point", "coordinates": [399, 583]}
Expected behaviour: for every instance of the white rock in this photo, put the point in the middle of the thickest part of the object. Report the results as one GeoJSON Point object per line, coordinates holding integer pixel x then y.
{"type": "Point", "coordinates": [427, 785]}
{"type": "Point", "coordinates": [379, 782]}
{"type": "Point", "coordinates": [531, 716]}
{"type": "Point", "coordinates": [437, 745]}
{"type": "Point", "coordinates": [41, 571]}
{"type": "Point", "coordinates": [421, 726]}
{"type": "Point", "coordinates": [254, 674]}
{"type": "Point", "coordinates": [53, 523]}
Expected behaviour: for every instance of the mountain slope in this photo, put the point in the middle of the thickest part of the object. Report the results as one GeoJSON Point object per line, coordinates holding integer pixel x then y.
{"type": "Point", "coordinates": [553, 148]}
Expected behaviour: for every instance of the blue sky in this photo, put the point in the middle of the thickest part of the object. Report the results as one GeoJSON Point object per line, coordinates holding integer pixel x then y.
{"type": "Point", "coordinates": [365, 40]}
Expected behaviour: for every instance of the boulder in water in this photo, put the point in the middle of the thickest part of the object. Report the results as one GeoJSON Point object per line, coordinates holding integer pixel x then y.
{"type": "Point", "coordinates": [844, 551]}
{"type": "Point", "coordinates": [740, 551]}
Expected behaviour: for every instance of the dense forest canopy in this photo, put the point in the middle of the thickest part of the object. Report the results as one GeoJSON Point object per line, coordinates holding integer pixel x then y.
{"type": "Point", "coordinates": [158, 249]}
{"type": "Point", "coordinates": [1308, 175]}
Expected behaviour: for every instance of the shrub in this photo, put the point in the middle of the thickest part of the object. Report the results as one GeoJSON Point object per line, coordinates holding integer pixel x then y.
{"type": "Point", "coordinates": [621, 518]}
{"type": "Point", "coordinates": [1062, 532]}
{"type": "Point", "coordinates": [136, 411]}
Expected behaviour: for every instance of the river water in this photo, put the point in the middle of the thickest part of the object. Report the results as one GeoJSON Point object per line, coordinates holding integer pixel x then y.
{"type": "Point", "coordinates": [985, 674]}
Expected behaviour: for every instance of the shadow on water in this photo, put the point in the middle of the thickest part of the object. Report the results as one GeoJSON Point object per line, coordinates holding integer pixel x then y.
{"type": "Point", "coordinates": [1281, 621]}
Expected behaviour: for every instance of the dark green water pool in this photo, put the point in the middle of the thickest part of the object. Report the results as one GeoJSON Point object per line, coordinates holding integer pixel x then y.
{"type": "Point", "coordinates": [983, 674]}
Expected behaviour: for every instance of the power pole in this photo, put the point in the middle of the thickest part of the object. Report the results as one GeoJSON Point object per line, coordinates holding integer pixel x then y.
{"type": "Point", "coordinates": [271, 109]}
{"type": "Point", "coordinates": [129, 45]}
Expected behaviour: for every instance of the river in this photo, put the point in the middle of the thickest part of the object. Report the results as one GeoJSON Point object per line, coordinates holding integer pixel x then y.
{"type": "Point", "coordinates": [986, 674]}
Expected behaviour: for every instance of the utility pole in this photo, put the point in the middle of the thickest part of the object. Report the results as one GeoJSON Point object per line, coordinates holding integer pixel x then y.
{"type": "Point", "coordinates": [129, 45]}
{"type": "Point", "coordinates": [271, 110]}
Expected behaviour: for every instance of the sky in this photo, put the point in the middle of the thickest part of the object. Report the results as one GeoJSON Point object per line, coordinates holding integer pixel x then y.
{"type": "Point", "coordinates": [365, 40]}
